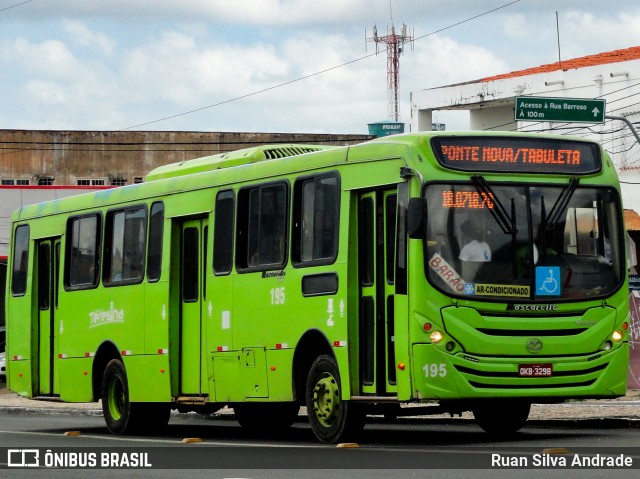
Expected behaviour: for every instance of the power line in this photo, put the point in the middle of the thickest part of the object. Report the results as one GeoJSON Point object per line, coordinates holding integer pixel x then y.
{"type": "Point", "coordinates": [14, 6]}
{"type": "Point", "coordinates": [207, 146]}
{"type": "Point", "coordinates": [311, 75]}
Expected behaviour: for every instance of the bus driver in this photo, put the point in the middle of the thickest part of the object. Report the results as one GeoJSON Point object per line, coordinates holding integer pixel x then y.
{"type": "Point", "coordinates": [475, 249]}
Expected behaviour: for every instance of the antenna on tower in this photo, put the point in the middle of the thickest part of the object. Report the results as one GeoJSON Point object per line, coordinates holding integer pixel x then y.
{"type": "Point", "coordinates": [394, 46]}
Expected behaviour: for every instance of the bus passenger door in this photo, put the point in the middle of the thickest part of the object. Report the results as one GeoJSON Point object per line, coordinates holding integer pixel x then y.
{"type": "Point", "coordinates": [376, 247]}
{"type": "Point", "coordinates": [192, 288]}
{"type": "Point", "coordinates": [47, 274]}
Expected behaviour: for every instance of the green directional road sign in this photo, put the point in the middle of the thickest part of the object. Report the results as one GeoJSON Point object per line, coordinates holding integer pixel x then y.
{"type": "Point", "coordinates": [579, 110]}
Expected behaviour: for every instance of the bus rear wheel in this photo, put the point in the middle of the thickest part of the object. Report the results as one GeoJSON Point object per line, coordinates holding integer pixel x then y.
{"type": "Point", "coordinates": [121, 415]}
{"type": "Point", "coordinates": [501, 417]}
{"type": "Point", "coordinates": [115, 397]}
{"type": "Point", "coordinates": [331, 418]}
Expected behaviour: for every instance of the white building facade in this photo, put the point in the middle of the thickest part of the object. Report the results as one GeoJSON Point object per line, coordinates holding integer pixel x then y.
{"type": "Point", "coordinates": [611, 76]}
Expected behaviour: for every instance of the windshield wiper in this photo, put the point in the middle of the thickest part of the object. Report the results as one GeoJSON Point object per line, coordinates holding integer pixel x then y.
{"type": "Point", "coordinates": [506, 221]}
{"type": "Point", "coordinates": [560, 206]}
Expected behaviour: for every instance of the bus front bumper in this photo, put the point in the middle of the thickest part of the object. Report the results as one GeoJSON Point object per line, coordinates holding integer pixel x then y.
{"type": "Point", "coordinates": [438, 375]}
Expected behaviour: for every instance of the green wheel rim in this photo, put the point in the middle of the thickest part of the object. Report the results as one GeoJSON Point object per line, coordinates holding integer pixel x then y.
{"type": "Point", "coordinates": [116, 398]}
{"type": "Point", "coordinates": [326, 400]}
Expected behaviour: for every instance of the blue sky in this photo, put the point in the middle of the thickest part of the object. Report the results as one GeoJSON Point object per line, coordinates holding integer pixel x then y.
{"type": "Point", "coordinates": [116, 64]}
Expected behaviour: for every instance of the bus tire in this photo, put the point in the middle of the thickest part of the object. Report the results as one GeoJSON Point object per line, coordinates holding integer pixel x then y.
{"type": "Point", "coordinates": [116, 406]}
{"type": "Point", "coordinates": [331, 418]}
{"type": "Point", "coordinates": [121, 415]}
{"type": "Point", "coordinates": [501, 417]}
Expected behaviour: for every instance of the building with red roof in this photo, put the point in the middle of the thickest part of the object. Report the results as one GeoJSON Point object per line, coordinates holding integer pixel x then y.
{"type": "Point", "coordinates": [612, 76]}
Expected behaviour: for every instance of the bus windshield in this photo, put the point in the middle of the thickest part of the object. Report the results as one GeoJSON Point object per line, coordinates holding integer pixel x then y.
{"type": "Point", "coordinates": [508, 242]}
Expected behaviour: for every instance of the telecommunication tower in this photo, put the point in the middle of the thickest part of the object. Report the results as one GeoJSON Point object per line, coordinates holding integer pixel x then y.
{"type": "Point", "coordinates": [394, 45]}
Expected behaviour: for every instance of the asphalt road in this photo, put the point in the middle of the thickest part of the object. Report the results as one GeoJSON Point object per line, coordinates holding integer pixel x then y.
{"type": "Point", "coordinates": [410, 448]}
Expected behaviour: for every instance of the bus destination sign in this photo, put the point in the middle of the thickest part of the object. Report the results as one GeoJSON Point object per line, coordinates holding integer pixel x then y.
{"type": "Point", "coordinates": [507, 154]}
{"type": "Point", "coordinates": [572, 110]}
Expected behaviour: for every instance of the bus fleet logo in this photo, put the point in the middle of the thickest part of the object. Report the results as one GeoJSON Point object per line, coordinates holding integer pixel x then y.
{"type": "Point", "coordinates": [101, 317]}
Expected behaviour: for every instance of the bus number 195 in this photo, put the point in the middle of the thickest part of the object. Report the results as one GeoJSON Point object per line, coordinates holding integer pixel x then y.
{"type": "Point", "coordinates": [434, 370]}
{"type": "Point", "coordinates": [277, 295]}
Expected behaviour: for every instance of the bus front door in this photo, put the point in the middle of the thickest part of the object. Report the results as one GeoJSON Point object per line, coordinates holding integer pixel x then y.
{"type": "Point", "coordinates": [46, 281]}
{"type": "Point", "coordinates": [192, 289]}
{"type": "Point", "coordinates": [376, 243]}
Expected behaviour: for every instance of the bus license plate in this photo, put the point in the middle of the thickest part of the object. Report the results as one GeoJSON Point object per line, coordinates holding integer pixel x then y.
{"type": "Point", "coordinates": [535, 370]}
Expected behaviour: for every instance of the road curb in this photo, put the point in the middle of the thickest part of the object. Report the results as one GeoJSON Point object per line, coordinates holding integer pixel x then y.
{"type": "Point", "coordinates": [48, 411]}
{"type": "Point", "coordinates": [586, 423]}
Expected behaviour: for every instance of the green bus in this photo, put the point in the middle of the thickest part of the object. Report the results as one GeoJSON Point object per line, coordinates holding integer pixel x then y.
{"type": "Point", "coordinates": [463, 271]}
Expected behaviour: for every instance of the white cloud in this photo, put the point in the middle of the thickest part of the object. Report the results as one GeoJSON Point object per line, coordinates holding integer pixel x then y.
{"type": "Point", "coordinates": [515, 26]}
{"type": "Point", "coordinates": [578, 30]}
{"type": "Point", "coordinates": [178, 68]}
{"type": "Point", "coordinates": [110, 65]}
{"type": "Point", "coordinates": [217, 12]}
{"type": "Point", "coordinates": [51, 56]}
{"type": "Point", "coordinates": [46, 93]}
{"type": "Point", "coordinates": [442, 61]}
{"type": "Point", "coordinates": [81, 35]}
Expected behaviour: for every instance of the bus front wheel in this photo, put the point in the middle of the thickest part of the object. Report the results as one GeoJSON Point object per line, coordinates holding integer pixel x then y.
{"type": "Point", "coordinates": [501, 417]}
{"type": "Point", "coordinates": [332, 419]}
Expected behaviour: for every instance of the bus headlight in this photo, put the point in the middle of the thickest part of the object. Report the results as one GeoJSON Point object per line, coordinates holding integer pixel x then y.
{"type": "Point", "coordinates": [436, 337]}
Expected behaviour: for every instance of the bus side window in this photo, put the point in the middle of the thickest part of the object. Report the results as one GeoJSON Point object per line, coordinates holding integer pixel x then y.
{"type": "Point", "coordinates": [125, 241]}
{"type": "Point", "coordinates": [154, 249]}
{"type": "Point", "coordinates": [262, 227]}
{"type": "Point", "coordinates": [20, 261]}
{"type": "Point", "coordinates": [316, 220]}
{"type": "Point", "coordinates": [223, 232]}
{"type": "Point", "coordinates": [83, 237]}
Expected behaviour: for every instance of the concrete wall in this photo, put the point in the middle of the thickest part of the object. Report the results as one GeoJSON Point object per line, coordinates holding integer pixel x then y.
{"type": "Point", "coordinates": [14, 197]}
{"type": "Point", "coordinates": [499, 117]}
{"type": "Point", "coordinates": [68, 156]}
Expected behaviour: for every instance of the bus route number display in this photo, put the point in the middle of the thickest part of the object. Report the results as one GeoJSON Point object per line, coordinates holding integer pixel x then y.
{"type": "Point", "coordinates": [517, 155]}
{"type": "Point", "coordinates": [467, 200]}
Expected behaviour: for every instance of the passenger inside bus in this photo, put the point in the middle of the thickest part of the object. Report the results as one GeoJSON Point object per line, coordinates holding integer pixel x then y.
{"type": "Point", "coordinates": [475, 250]}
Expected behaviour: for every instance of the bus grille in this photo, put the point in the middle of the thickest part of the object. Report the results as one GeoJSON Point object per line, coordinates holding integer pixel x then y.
{"type": "Point", "coordinates": [487, 379]}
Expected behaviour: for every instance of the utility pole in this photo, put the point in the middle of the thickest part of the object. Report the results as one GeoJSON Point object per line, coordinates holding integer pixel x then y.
{"type": "Point", "coordinates": [394, 45]}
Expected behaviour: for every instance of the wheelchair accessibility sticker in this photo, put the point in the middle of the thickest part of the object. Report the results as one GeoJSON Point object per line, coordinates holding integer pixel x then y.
{"type": "Point", "coordinates": [548, 281]}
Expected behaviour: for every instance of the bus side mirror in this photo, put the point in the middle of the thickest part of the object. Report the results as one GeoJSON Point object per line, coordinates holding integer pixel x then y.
{"type": "Point", "coordinates": [414, 218]}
